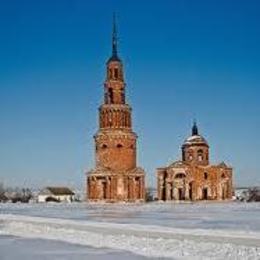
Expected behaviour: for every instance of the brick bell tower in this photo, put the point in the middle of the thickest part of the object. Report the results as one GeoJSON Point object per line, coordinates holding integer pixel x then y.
{"type": "Point", "coordinates": [116, 176]}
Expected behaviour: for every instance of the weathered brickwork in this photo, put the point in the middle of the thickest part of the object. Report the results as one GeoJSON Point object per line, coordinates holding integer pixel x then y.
{"type": "Point", "coordinates": [193, 178]}
{"type": "Point", "coordinates": [116, 176]}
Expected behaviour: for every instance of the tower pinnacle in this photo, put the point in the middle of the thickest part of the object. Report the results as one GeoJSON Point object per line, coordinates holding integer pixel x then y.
{"type": "Point", "coordinates": [195, 130]}
{"type": "Point", "coordinates": [114, 37]}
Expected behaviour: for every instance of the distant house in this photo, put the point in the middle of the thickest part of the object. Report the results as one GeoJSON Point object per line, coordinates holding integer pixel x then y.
{"type": "Point", "coordinates": [56, 194]}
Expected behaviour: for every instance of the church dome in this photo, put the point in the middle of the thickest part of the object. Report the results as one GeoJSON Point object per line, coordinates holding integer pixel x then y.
{"type": "Point", "coordinates": [195, 148]}
{"type": "Point", "coordinates": [195, 138]}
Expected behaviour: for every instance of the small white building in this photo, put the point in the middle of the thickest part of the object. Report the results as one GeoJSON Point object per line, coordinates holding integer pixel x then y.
{"type": "Point", "coordinates": [56, 194]}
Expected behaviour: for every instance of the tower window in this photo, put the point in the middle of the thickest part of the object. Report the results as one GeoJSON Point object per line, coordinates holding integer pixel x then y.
{"type": "Point", "coordinates": [205, 175]}
{"type": "Point", "coordinates": [122, 95]}
{"type": "Point", "coordinates": [116, 73]}
{"type": "Point", "coordinates": [103, 146]}
{"type": "Point", "coordinates": [200, 155]}
{"type": "Point", "coordinates": [119, 146]}
{"type": "Point", "coordinates": [111, 95]}
{"type": "Point", "coordinates": [190, 155]}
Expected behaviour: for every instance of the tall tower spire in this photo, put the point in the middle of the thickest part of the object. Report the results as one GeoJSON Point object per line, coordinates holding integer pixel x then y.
{"type": "Point", "coordinates": [114, 56]}
{"type": "Point", "coordinates": [114, 84]}
{"type": "Point", "coordinates": [114, 37]}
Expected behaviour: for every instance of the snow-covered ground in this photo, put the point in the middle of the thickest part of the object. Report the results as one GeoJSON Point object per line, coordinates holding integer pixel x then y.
{"type": "Point", "coordinates": [12, 248]}
{"type": "Point", "coordinates": [209, 230]}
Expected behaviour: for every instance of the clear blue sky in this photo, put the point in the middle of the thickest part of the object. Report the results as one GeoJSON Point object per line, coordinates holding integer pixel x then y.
{"type": "Point", "coordinates": [183, 59]}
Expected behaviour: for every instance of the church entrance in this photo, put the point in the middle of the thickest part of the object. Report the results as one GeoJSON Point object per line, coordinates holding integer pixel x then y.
{"type": "Point", "coordinates": [102, 190]}
{"type": "Point", "coordinates": [137, 188]}
{"type": "Point", "coordinates": [181, 194]}
{"type": "Point", "coordinates": [190, 191]}
{"type": "Point", "coordinates": [205, 193]}
{"type": "Point", "coordinates": [224, 191]}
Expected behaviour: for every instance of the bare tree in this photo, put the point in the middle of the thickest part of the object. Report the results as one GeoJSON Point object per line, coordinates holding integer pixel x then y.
{"type": "Point", "coordinates": [1, 188]}
{"type": "Point", "coordinates": [3, 198]}
{"type": "Point", "coordinates": [254, 194]}
{"type": "Point", "coordinates": [18, 194]}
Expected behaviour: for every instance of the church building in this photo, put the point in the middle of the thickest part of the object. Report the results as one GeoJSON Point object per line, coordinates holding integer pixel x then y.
{"type": "Point", "coordinates": [116, 176]}
{"type": "Point", "coordinates": [194, 178]}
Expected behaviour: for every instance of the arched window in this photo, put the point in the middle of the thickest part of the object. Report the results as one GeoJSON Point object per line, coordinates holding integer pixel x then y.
{"type": "Point", "coordinates": [122, 95]}
{"type": "Point", "coordinates": [119, 145]}
{"type": "Point", "coordinates": [110, 95]}
{"type": "Point", "coordinates": [116, 73]}
{"type": "Point", "coordinates": [103, 146]}
{"type": "Point", "coordinates": [200, 155]}
{"type": "Point", "coordinates": [205, 175]}
{"type": "Point", "coordinates": [180, 176]}
{"type": "Point", "coordinates": [190, 155]}
{"type": "Point", "coordinates": [223, 176]}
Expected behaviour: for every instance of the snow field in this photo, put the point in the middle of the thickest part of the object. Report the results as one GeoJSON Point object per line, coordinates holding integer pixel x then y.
{"type": "Point", "coordinates": [146, 240]}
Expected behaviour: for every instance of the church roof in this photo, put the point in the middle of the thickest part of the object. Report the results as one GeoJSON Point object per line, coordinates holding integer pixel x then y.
{"type": "Point", "coordinates": [59, 191]}
{"type": "Point", "coordinates": [178, 164]}
{"type": "Point", "coordinates": [223, 165]}
{"type": "Point", "coordinates": [114, 58]}
{"type": "Point", "coordinates": [195, 139]}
